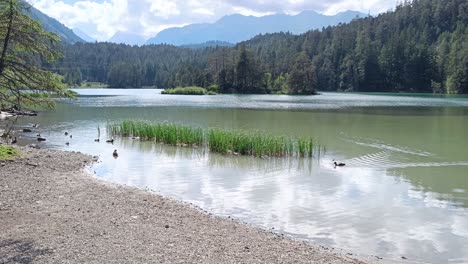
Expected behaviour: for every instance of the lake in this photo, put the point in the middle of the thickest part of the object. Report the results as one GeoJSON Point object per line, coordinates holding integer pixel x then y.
{"type": "Point", "coordinates": [403, 191]}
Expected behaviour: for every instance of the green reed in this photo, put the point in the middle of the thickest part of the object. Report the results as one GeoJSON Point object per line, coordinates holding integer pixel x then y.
{"type": "Point", "coordinates": [235, 142]}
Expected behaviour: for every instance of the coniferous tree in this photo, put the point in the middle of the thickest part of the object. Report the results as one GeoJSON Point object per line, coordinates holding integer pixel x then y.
{"type": "Point", "coordinates": [302, 79]}
{"type": "Point", "coordinates": [22, 39]}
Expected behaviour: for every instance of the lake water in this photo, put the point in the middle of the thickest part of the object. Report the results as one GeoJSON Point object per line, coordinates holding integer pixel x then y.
{"type": "Point", "coordinates": [403, 192]}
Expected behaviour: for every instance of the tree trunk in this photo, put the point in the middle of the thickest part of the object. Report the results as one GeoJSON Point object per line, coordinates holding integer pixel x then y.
{"type": "Point", "coordinates": [7, 38]}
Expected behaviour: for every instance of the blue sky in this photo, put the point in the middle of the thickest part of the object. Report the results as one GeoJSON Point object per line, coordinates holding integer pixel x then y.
{"type": "Point", "coordinates": [101, 19]}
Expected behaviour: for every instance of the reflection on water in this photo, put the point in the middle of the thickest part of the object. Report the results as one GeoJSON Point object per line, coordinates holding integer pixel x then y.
{"type": "Point", "coordinates": [403, 191]}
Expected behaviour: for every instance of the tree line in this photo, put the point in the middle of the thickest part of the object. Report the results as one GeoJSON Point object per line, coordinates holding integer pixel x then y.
{"type": "Point", "coordinates": [420, 46]}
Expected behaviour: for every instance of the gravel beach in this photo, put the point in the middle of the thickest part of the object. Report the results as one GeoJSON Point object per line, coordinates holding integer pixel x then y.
{"type": "Point", "coordinates": [52, 211]}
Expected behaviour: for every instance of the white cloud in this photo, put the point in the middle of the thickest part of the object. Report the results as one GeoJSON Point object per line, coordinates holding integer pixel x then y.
{"type": "Point", "coordinates": [103, 18]}
{"type": "Point", "coordinates": [203, 11]}
{"type": "Point", "coordinates": [163, 8]}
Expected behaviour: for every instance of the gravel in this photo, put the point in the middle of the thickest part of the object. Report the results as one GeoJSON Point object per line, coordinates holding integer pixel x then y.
{"type": "Point", "coordinates": [52, 211]}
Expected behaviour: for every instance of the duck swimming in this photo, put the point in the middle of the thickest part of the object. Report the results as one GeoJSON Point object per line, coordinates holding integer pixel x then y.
{"type": "Point", "coordinates": [339, 164]}
{"type": "Point", "coordinates": [110, 141]}
{"type": "Point", "coordinates": [115, 154]}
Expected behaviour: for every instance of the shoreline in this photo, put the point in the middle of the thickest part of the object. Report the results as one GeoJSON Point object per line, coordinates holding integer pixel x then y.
{"type": "Point", "coordinates": [52, 211]}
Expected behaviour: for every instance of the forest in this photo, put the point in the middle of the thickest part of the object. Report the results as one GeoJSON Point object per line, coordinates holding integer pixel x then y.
{"type": "Point", "coordinates": [420, 46]}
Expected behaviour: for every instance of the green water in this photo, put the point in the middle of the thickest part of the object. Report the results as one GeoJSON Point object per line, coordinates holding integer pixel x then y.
{"type": "Point", "coordinates": [403, 192]}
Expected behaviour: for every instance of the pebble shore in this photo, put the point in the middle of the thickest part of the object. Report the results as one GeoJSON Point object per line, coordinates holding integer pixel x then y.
{"type": "Point", "coordinates": [52, 211]}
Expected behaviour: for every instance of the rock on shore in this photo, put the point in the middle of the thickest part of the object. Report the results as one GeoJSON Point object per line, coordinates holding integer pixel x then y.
{"type": "Point", "coordinates": [51, 211]}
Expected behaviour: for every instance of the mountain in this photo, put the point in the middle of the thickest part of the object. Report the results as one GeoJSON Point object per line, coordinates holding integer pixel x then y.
{"type": "Point", "coordinates": [127, 38]}
{"type": "Point", "coordinates": [52, 25]}
{"type": "Point", "coordinates": [83, 35]}
{"type": "Point", "coordinates": [236, 28]}
{"type": "Point", "coordinates": [420, 46]}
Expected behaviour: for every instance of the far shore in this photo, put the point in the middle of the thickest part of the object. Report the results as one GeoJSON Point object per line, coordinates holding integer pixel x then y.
{"type": "Point", "coordinates": [52, 211]}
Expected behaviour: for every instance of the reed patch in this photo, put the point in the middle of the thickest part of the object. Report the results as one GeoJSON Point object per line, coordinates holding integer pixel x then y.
{"type": "Point", "coordinates": [237, 142]}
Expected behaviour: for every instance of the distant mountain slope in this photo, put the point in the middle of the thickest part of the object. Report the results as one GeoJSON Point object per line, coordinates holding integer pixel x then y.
{"type": "Point", "coordinates": [83, 35]}
{"type": "Point", "coordinates": [127, 38]}
{"type": "Point", "coordinates": [52, 25]}
{"type": "Point", "coordinates": [236, 28]}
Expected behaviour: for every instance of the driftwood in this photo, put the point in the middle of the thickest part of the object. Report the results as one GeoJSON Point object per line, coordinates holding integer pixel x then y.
{"type": "Point", "coordinates": [15, 112]}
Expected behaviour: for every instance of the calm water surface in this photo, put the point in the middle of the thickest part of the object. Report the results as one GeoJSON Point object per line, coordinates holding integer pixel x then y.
{"type": "Point", "coordinates": [403, 192]}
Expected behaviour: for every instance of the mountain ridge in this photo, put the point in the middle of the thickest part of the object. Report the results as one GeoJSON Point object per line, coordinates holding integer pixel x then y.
{"type": "Point", "coordinates": [127, 38]}
{"type": "Point", "coordinates": [228, 29]}
{"type": "Point", "coordinates": [53, 25]}
{"type": "Point", "coordinates": [80, 33]}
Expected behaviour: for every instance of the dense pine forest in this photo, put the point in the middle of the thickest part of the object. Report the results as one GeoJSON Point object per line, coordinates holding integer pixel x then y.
{"type": "Point", "coordinates": [421, 46]}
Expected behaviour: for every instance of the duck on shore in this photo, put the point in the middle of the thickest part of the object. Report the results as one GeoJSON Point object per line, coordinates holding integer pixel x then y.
{"type": "Point", "coordinates": [14, 141]}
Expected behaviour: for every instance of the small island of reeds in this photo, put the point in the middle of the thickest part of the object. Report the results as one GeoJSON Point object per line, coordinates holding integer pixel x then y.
{"type": "Point", "coordinates": [249, 143]}
{"type": "Point", "coordinates": [191, 90]}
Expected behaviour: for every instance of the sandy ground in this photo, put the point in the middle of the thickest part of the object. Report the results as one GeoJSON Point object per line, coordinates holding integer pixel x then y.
{"type": "Point", "coordinates": [51, 211]}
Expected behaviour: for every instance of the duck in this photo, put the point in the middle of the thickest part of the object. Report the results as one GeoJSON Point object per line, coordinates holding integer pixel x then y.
{"type": "Point", "coordinates": [96, 140]}
{"type": "Point", "coordinates": [115, 154]}
{"type": "Point", "coordinates": [14, 141]}
{"type": "Point", "coordinates": [66, 133]}
{"type": "Point", "coordinates": [67, 143]}
{"type": "Point", "coordinates": [38, 135]}
{"type": "Point", "coordinates": [110, 141]}
{"type": "Point", "coordinates": [339, 164]}
{"type": "Point", "coordinates": [41, 139]}
{"type": "Point", "coordinates": [35, 125]}
{"type": "Point", "coordinates": [71, 136]}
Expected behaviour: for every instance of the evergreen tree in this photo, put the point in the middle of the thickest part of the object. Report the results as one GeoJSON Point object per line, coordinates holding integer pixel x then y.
{"type": "Point", "coordinates": [421, 46]}
{"type": "Point", "coordinates": [242, 71]}
{"type": "Point", "coordinates": [22, 39]}
{"type": "Point", "coordinates": [302, 79]}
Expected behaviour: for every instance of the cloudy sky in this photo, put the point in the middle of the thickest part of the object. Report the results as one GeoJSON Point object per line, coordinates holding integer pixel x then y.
{"type": "Point", "coordinates": [101, 19]}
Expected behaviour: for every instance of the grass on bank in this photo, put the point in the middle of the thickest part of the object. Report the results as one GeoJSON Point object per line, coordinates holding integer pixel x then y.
{"type": "Point", "coordinates": [247, 143]}
{"type": "Point", "coordinates": [7, 152]}
{"type": "Point", "coordinates": [191, 90]}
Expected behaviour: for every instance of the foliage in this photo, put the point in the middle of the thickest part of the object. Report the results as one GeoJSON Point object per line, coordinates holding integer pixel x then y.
{"type": "Point", "coordinates": [86, 84]}
{"type": "Point", "coordinates": [414, 48]}
{"type": "Point", "coordinates": [255, 144]}
{"type": "Point", "coordinates": [7, 152]}
{"type": "Point", "coordinates": [23, 40]}
{"type": "Point", "coordinates": [192, 90]}
{"type": "Point", "coordinates": [302, 79]}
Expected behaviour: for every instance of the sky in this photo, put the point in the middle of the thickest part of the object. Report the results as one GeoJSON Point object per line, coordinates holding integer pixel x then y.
{"type": "Point", "coordinates": [101, 19]}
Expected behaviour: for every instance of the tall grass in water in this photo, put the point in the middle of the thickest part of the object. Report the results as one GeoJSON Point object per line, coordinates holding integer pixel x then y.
{"type": "Point", "coordinates": [166, 133]}
{"type": "Point", "coordinates": [255, 144]}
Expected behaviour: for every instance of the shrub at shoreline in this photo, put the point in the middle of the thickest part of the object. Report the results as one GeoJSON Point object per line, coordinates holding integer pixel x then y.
{"type": "Point", "coordinates": [191, 90]}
